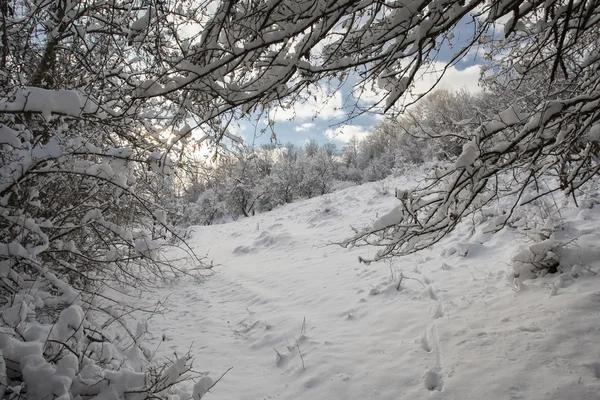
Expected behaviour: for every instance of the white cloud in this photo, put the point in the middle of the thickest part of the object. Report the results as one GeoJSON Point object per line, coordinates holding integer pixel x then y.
{"type": "Point", "coordinates": [482, 13]}
{"type": "Point", "coordinates": [453, 79]}
{"type": "Point", "coordinates": [472, 55]}
{"type": "Point", "coordinates": [369, 93]}
{"type": "Point", "coordinates": [344, 133]}
{"type": "Point", "coordinates": [323, 108]}
{"type": "Point", "coordinates": [322, 104]}
{"type": "Point", "coordinates": [305, 127]}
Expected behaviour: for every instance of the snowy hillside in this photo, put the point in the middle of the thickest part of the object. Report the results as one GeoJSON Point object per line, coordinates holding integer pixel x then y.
{"type": "Point", "coordinates": [299, 318]}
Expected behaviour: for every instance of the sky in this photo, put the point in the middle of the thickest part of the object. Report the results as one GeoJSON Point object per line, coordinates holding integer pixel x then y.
{"type": "Point", "coordinates": [319, 118]}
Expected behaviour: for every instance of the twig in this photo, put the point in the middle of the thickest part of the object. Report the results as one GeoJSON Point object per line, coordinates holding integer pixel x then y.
{"type": "Point", "coordinates": [400, 281]}
{"type": "Point", "coordinates": [278, 354]}
{"type": "Point", "coordinates": [299, 352]}
{"type": "Point", "coordinates": [221, 377]}
{"type": "Point", "coordinates": [415, 279]}
{"type": "Point", "coordinates": [468, 269]}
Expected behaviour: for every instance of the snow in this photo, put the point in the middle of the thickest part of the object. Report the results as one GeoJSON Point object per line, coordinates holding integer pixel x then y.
{"type": "Point", "coordinates": [9, 136]}
{"type": "Point", "coordinates": [391, 218]}
{"type": "Point", "coordinates": [485, 39]}
{"type": "Point", "coordinates": [70, 323]}
{"type": "Point", "coordinates": [594, 133]}
{"type": "Point", "coordinates": [201, 387]}
{"type": "Point", "coordinates": [142, 22]}
{"type": "Point", "coordinates": [48, 102]}
{"type": "Point", "coordinates": [297, 317]}
{"type": "Point", "coordinates": [468, 156]}
{"type": "Point", "coordinates": [146, 247]}
{"type": "Point", "coordinates": [510, 116]}
{"type": "Point", "coordinates": [91, 215]}
{"type": "Point", "coordinates": [161, 216]}
{"type": "Point", "coordinates": [506, 118]}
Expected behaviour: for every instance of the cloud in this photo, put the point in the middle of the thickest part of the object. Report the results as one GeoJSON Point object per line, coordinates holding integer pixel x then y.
{"type": "Point", "coordinates": [322, 104]}
{"type": "Point", "coordinates": [368, 93]}
{"type": "Point", "coordinates": [308, 118]}
{"type": "Point", "coordinates": [305, 127]}
{"type": "Point", "coordinates": [451, 79]}
{"type": "Point", "coordinates": [473, 55]}
{"type": "Point", "coordinates": [482, 13]}
{"type": "Point", "coordinates": [346, 132]}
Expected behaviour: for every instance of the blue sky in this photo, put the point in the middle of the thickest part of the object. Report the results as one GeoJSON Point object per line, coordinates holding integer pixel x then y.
{"type": "Point", "coordinates": [319, 118]}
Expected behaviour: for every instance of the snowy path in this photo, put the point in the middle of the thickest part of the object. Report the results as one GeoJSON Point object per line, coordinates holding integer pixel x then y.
{"type": "Point", "coordinates": [456, 330]}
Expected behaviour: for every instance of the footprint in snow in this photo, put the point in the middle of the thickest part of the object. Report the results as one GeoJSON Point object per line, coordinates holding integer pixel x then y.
{"type": "Point", "coordinates": [432, 294]}
{"type": "Point", "coordinates": [433, 380]}
{"type": "Point", "coordinates": [531, 329]}
{"type": "Point", "coordinates": [349, 315]}
{"type": "Point", "coordinates": [438, 312]}
{"type": "Point", "coordinates": [595, 367]}
{"type": "Point", "coordinates": [241, 250]}
{"type": "Point", "coordinates": [425, 342]}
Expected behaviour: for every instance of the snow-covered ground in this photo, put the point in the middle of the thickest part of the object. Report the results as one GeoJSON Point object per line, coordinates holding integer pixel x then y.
{"type": "Point", "coordinates": [299, 318]}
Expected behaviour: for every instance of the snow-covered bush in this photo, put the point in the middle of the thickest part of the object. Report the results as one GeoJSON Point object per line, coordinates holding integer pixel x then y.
{"type": "Point", "coordinates": [547, 127]}
{"type": "Point", "coordinates": [246, 180]}
{"type": "Point", "coordinates": [539, 253]}
{"type": "Point", "coordinates": [86, 183]}
{"type": "Point", "coordinates": [382, 188]}
{"type": "Point", "coordinates": [540, 226]}
{"type": "Point", "coordinates": [74, 221]}
{"type": "Point", "coordinates": [209, 208]}
{"type": "Point", "coordinates": [58, 342]}
{"type": "Point", "coordinates": [318, 174]}
{"type": "Point", "coordinates": [537, 259]}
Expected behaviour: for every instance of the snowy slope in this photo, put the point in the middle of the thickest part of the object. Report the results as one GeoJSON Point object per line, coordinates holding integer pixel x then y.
{"type": "Point", "coordinates": [297, 318]}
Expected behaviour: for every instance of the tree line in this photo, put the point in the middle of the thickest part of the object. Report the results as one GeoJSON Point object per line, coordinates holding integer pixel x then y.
{"type": "Point", "coordinates": [248, 180]}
